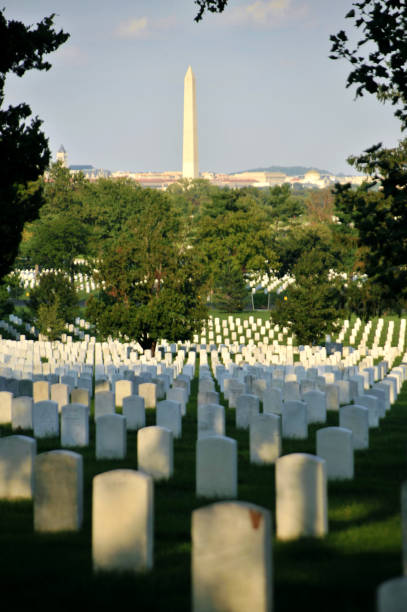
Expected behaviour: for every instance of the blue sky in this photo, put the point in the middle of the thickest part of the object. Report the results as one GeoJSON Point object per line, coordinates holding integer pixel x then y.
{"type": "Point", "coordinates": [267, 94]}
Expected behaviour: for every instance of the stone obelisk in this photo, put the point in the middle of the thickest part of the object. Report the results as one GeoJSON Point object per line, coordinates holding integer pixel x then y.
{"type": "Point", "coordinates": [190, 141]}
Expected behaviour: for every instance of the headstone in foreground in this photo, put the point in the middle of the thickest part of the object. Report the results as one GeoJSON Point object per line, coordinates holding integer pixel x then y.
{"type": "Point", "coordinates": [122, 521]}
{"type": "Point", "coordinates": [404, 524]}
{"type": "Point", "coordinates": [392, 595]}
{"type": "Point", "coordinates": [231, 558]}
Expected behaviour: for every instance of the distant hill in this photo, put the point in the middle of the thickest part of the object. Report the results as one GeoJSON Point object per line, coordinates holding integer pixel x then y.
{"type": "Point", "coordinates": [289, 170]}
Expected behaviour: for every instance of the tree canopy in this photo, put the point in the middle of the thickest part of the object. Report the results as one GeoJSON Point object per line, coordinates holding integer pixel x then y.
{"type": "Point", "coordinates": [309, 307]}
{"type": "Point", "coordinates": [214, 6]}
{"type": "Point", "coordinates": [379, 58]}
{"type": "Point", "coordinates": [377, 210]}
{"type": "Point", "coordinates": [151, 279]}
{"type": "Point", "coordinates": [23, 146]}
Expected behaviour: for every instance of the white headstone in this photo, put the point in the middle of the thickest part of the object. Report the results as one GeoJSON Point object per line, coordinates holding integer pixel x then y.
{"type": "Point", "coordinates": [22, 413]}
{"type": "Point", "coordinates": [206, 384]}
{"type": "Point", "coordinates": [231, 558]}
{"type": "Point", "coordinates": [301, 496]}
{"type": "Point", "coordinates": [208, 397]}
{"type": "Point", "coordinates": [17, 455]}
{"type": "Point", "coordinates": [123, 388]}
{"type": "Point", "coordinates": [295, 420]}
{"type": "Point", "coordinates": [332, 397]}
{"type": "Point", "coordinates": [41, 390]}
{"type": "Point", "coordinates": [247, 406]}
{"type": "Point", "coordinates": [111, 437]}
{"type": "Point", "coordinates": [404, 524]}
{"type": "Point", "coordinates": [122, 521]}
{"type": "Point", "coordinates": [345, 394]}
{"type": "Point", "coordinates": [155, 454]}
{"type": "Point", "coordinates": [80, 396]}
{"type": "Point", "coordinates": [104, 403]}
{"type": "Point", "coordinates": [149, 392]}
{"type": "Point", "coordinates": [58, 491]}
{"type": "Point", "coordinates": [372, 404]}
{"type": "Point", "coordinates": [60, 394]}
{"type": "Point", "coordinates": [169, 416]}
{"type": "Point", "coordinates": [386, 390]}
{"type": "Point", "coordinates": [335, 445]}
{"type": "Point", "coordinates": [74, 425]}
{"type": "Point", "coordinates": [380, 394]}
{"type": "Point", "coordinates": [211, 420]}
{"type": "Point", "coordinates": [291, 391]}
{"type": "Point", "coordinates": [392, 595]}
{"type": "Point", "coordinates": [273, 401]}
{"type": "Point", "coordinates": [6, 399]}
{"type": "Point", "coordinates": [356, 418]}
{"type": "Point", "coordinates": [45, 419]}
{"type": "Point", "coordinates": [134, 411]}
{"type": "Point", "coordinates": [316, 406]}
{"type": "Point", "coordinates": [178, 394]}
{"type": "Point", "coordinates": [265, 438]}
{"type": "Point", "coordinates": [216, 467]}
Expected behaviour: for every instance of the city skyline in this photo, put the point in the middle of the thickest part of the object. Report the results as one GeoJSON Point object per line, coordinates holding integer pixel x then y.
{"type": "Point", "coordinates": [267, 93]}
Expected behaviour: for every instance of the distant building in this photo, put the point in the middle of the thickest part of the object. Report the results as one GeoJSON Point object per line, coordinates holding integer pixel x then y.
{"type": "Point", "coordinates": [62, 156]}
{"type": "Point", "coordinates": [89, 171]}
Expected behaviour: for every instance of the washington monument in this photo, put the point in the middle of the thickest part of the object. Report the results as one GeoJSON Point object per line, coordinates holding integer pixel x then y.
{"type": "Point", "coordinates": [190, 142]}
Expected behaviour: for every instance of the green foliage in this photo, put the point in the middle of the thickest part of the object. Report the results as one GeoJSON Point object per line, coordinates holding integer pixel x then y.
{"type": "Point", "coordinates": [231, 294]}
{"type": "Point", "coordinates": [152, 281]}
{"type": "Point", "coordinates": [309, 307]}
{"type": "Point", "coordinates": [296, 242]}
{"type": "Point", "coordinates": [6, 305]}
{"type": "Point", "coordinates": [56, 242]}
{"type": "Point", "coordinates": [63, 192]}
{"type": "Point", "coordinates": [379, 58]}
{"type": "Point", "coordinates": [214, 6]}
{"type": "Point", "coordinates": [190, 196]}
{"type": "Point", "coordinates": [282, 206]}
{"type": "Point", "coordinates": [234, 230]}
{"type": "Point", "coordinates": [49, 321]}
{"type": "Point", "coordinates": [55, 288]}
{"type": "Point", "coordinates": [380, 218]}
{"type": "Point", "coordinates": [23, 147]}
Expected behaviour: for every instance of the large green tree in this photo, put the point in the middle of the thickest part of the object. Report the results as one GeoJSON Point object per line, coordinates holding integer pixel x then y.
{"type": "Point", "coordinates": [309, 307]}
{"type": "Point", "coordinates": [379, 67]}
{"type": "Point", "coordinates": [152, 281]}
{"type": "Point", "coordinates": [234, 231]}
{"type": "Point", "coordinates": [24, 151]}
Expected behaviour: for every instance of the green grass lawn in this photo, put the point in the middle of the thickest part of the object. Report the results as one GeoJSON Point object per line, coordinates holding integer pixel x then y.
{"type": "Point", "coordinates": [339, 573]}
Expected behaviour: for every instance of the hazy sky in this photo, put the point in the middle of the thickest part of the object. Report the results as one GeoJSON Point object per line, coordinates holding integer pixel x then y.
{"type": "Point", "coordinates": [267, 93]}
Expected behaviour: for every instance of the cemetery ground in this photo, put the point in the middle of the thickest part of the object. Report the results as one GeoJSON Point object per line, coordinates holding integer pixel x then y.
{"type": "Point", "coordinates": [339, 572]}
